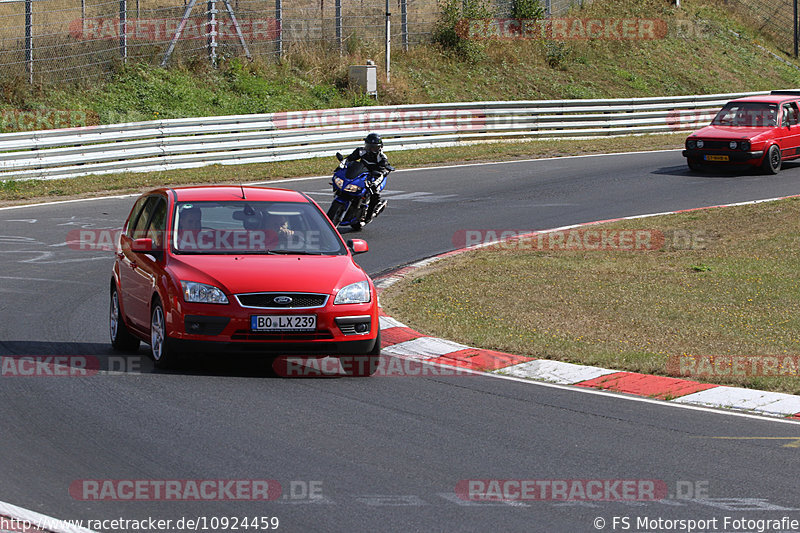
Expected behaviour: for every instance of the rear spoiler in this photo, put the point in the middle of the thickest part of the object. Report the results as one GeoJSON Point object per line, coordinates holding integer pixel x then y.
{"type": "Point", "coordinates": [787, 92]}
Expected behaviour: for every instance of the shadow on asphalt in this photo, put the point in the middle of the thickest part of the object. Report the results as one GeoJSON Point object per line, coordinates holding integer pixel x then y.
{"type": "Point", "coordinates": [720, 172]}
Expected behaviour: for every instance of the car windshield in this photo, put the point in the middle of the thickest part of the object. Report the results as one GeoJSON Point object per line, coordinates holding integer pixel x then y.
{"type": "Point", "coordinates": [747, 115]}
{"type": "Point", "coordinates": [247, 227]}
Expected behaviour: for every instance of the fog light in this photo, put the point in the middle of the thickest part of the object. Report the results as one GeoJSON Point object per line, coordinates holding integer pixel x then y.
{"type": "Point", "coordinates": [362, 328]}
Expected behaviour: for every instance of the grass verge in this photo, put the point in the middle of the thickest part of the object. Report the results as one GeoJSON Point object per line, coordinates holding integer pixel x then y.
{"type": "Point", "coordinates": [723, 284]}
{"type": "Point", "coordinates": [16, 192]}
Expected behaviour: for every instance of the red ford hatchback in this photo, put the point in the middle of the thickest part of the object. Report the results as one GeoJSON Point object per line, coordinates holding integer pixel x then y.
{"type": "Point", "coordinates": [758, 131]}
{"type": "Point", "coordinates": [240, 269]}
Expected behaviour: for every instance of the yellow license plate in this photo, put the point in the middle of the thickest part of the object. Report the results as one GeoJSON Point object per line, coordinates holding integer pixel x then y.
{"type": "Point", "coordinates": [717, 158]}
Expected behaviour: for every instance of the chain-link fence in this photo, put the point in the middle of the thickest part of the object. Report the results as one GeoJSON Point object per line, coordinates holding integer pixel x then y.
{"type": "Point", "coordinates": [772, 18]}
{"type": "Point", "coordinates": [45, 41]}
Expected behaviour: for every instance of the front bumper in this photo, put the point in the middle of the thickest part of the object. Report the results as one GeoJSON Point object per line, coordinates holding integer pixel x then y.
{"type": "Point", "coordinates": [340, 329]}
{"type": "Point", "coordinates": [698, 155]}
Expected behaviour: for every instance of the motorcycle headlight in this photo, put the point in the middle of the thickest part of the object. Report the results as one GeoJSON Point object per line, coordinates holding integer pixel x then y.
{"type": "Point", "coordinates": [352, 188]}
{"type": "Point", "coordinates": [339, 182]}
{"type": "Point", "coordinates": [194, 292]}
{"type": "Point", "coordinates": [355, 293]}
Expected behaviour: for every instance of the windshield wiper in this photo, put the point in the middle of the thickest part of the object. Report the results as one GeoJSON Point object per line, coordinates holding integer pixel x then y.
{"type": "Point", "coordinates": [296, 252]}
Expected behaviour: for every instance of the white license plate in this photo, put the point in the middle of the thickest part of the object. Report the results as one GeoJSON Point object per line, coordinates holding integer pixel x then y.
{"type": "Point", "coordinates": [283, 322]}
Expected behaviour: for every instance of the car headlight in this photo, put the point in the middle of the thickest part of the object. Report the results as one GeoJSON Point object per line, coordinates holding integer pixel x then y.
{"type": "Point", "coordinates": [355, 293]}
{"type": "Point", "coordinates": [194, 292]}
{"type": "Point", "coordinates": [745, 145]}
{"type": "Point", "coordinates": [691, 144]}
{"type": "Point", "coordinates": [733, 145]}
{"type": "Point", "coordinates": [700, 144]}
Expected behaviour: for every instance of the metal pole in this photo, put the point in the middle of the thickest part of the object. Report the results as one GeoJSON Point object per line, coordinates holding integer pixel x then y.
{"type": "Point", "coordinates": [404, 23]}
{"type": "Point", "coordinates": [181, 26]}
{"type": "Point", "coordinates": [279, 28]}
{"type": "Point", "coordinates": [388, 42]}
{"type": "Point", "coordinates": [795, 22]}
{"type": "Point", "coordinates": [212, 32]}
{"type": "Point", "coordinates": [29, 39]}
{"type": "Point", "coordinates": [238, 28]}
{"type": "Point", "coordinates": [547, 10]}
{"type": "Point", "coordinates": [83, 11]}
{"type": "Point", "coordinates": [123, 30]}
{"type": "Point", "coordinates": [338, 8]}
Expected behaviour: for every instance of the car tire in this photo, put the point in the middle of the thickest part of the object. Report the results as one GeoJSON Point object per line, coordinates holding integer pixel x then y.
{"type": "Point", "coordinates": [162, 348]}
{"type": "Point", "coordinates": [371, 366]}
{"type": "Point", "coordinates": [121, 338]}
{"type": "Point", "coordinates": [336, 212]}
{"type": "Point", "coordinates": [772, 160]}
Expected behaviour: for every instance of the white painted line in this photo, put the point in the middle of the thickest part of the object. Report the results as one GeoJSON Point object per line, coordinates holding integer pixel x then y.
{"type": "Point", "coordinates": [389, 322]}
{"type": "Point", "coordinates": [386, 282]}
{"type": "Point", "coordinates": [424, 348]}
{"type": "Point", "coordinates": [40, 520]}
{"type": "Point", "coordinates": [746, 399]}
{"type": "Point", "coordinates": [555, 371]}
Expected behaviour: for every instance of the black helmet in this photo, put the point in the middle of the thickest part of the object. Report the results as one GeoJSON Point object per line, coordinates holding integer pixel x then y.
{"type": "Point", "coordinates": [373, 143]}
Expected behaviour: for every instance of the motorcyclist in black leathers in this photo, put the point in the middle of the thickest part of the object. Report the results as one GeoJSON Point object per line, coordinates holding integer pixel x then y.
{"type": "Point", "coordinates": [372, 157]}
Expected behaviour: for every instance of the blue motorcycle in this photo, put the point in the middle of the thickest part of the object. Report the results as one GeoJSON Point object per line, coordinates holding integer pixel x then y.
{"type": "Point", "coordinates": [353, 185]}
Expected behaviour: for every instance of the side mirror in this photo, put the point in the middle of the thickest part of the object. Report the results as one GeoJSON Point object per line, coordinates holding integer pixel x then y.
{"type": "Point", "coordinates": [357, 246]}
{"type": "Point", "coordinates": [339, 156]}
{"type": "Point", "coordinates": [142, 245]}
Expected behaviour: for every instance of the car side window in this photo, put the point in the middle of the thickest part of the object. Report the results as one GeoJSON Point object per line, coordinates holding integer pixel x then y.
{"type": "Point", "coordinates": [139, 230]}
{"type": "Point", "coordinates": [158, 224]}
{"type": "Point", "coordinates": [790, 114]}
{"type": "Point", "coordinates": [136, 212]}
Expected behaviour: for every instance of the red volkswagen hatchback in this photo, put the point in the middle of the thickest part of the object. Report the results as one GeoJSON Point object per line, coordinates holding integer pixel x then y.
{"type": "Point", "coordinates": [757, 131]}
{"type": "Point", "coordinates": [239, 269]}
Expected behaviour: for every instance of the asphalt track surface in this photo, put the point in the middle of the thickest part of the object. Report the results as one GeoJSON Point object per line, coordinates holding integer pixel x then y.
{"type": "Point", "coordinates": [384, 454]}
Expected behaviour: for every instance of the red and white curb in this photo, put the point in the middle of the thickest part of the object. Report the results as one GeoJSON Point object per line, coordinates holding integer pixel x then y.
{"type": "Point", "coordinates": [401, 341]}
{"type": "Point", "coordinates": [15, 519]}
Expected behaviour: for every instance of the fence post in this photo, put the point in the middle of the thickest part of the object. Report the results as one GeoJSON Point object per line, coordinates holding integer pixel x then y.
{"type": "Point", "coordinates": [29, 39]}
{"type": "Point", "coordinates": [279, 28]}
{"type": "Point", "coordinates": [212, 32]}
{"type": "Point", "coordinates": [794, 23]}
{"type": "Point", "coordinates": [547, 8]}
{"type": "Point", "coordinates": [404, 23]}
{"type": "Point", "coordinates": [123, 30]}
{"type": "Point", "coordinates": [388, 42]}
{"type": "Point", "coordinates": [338, 16]}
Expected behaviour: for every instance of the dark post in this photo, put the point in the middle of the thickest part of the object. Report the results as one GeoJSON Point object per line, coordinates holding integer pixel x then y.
{"type": "Point", "coordinates": [338, 8]}
{"type": "Point", "coordinates": [279, 28]}
{"type": "Point", "coordinates": [29, 39]}
{"type": "Point", "coordinates": [794, 23]}
{"type": "Point", "coordinates": [404, 23]}
{"type": "Point", "coordinates": [123, 30]}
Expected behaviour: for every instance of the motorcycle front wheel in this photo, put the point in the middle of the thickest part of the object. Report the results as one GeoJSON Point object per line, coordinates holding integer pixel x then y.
{"type": "Point", "coordinates": [336, 212]}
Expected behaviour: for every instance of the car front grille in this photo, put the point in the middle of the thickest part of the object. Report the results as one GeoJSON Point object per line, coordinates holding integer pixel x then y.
{"type": "Point", "coordinates": [297, 300]}
{"type": "Point", "coordinates": [716, 145]}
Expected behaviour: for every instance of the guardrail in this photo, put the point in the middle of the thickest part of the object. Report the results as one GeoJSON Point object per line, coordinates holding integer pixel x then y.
{"type": "Point", "coordinates": [230, 140]}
